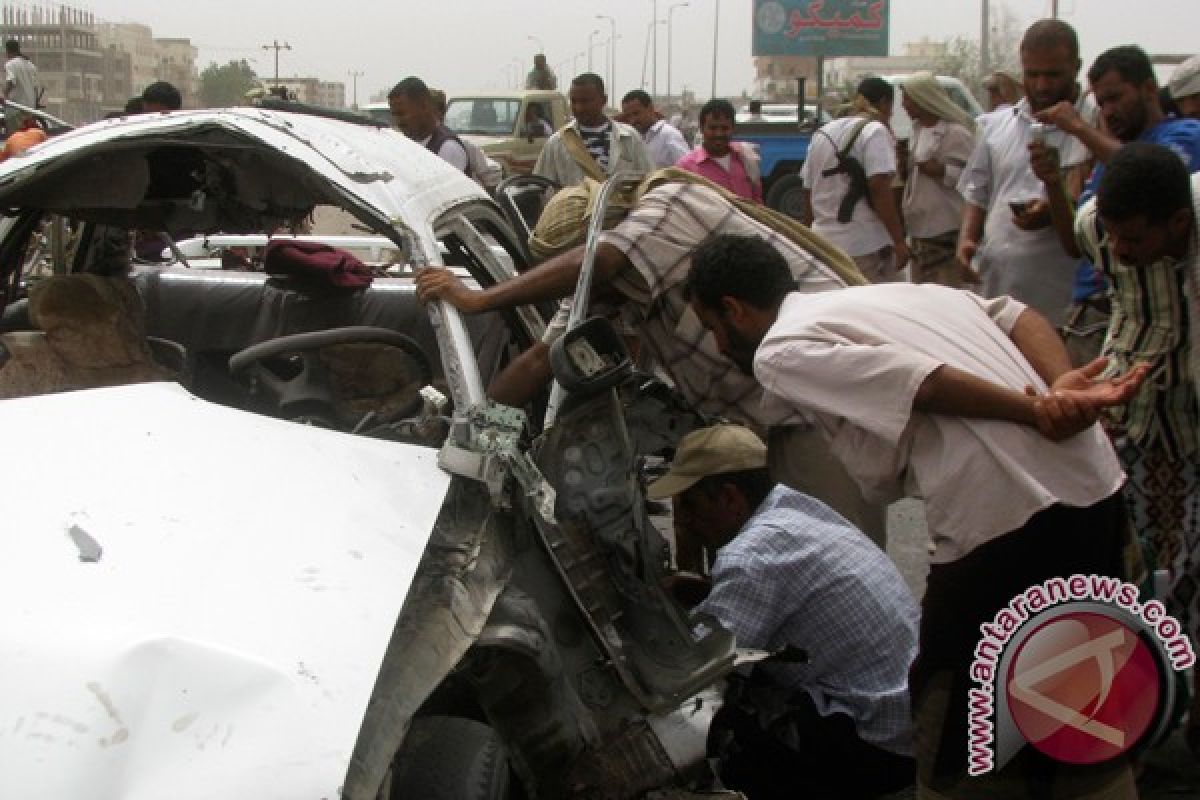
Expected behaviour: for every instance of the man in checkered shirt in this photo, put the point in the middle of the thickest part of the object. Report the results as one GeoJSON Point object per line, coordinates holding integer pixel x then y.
{"type": "Point", "coordinates": [789, 571]}
{"type": "Point", "coordinates": [646, 259]}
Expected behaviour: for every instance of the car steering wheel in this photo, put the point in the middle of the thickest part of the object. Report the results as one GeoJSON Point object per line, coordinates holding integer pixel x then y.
{"type": "Point", "coordinates": [308, 392]}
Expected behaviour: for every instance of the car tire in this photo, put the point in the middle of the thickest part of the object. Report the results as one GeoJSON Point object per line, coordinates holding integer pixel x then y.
{"type": "Point", "coordinates": [786, 196]}
{"type": "Point", "coordinates": [450, 758]}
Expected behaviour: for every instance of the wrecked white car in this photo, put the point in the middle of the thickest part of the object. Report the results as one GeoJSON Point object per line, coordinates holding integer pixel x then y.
{"type": "Point", "coordinates": [449, 599]}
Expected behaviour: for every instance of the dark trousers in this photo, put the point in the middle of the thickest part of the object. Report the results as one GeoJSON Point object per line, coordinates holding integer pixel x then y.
{"type": "Point", "coordinates": [795, 752]}
{"type": "Point", "coordinates": [1057, 542]}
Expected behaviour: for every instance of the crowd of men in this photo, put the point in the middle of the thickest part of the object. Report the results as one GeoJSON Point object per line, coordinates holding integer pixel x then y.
{"type": "Point", "coordinates": [927, 330]}
{"type": "Point", "coordinates": [843, 387]}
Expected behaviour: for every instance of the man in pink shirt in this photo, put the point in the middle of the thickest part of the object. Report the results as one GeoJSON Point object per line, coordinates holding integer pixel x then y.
{"type": "Point", "coordinates": [727, 163]}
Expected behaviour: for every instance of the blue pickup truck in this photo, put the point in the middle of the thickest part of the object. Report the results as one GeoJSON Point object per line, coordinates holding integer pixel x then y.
{"type": "Point", "coordinates": [782, 138]}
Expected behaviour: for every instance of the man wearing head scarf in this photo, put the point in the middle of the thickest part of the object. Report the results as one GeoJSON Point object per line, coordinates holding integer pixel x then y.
{"type": "Point", "coordinates": [848, 177]}
{"type": "Point", "coordinates": [1185, 87]}
{"type": "Point", "coordinates": [1002, 90]}
{"type": "Point", "coordinates": [942, 141]}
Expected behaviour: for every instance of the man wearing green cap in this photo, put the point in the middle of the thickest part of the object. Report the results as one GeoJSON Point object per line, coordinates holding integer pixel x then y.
{"type": "Point", "coordinates": [790, 571]}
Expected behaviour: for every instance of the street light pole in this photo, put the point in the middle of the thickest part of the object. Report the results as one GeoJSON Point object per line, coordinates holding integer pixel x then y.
{"type": "Point", "coordinates": [355, 76]}
{"type": "Point", "coordinates": [983, 38]}
{"type": "Point", "coordinates": [654, 68]}
{"type": "Point", "coordinates": [575, 60]}
{"type": "Point", "coordinates": [538, 42]}
{"type": "Point", "coordinates": [716, 29]}
{"type": "Point", "coordinates": [590, 45]}
{"type": "Point", "coordinates": [670, 13]}
{"type": "Point", "coordinates": [612, 48]}
{"type": "Point", "coordinates": [276, 46]}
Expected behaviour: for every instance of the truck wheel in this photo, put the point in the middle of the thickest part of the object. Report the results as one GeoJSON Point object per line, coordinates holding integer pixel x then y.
{"type": "Point", "coordinates": [785, 195]}
{"type": "Point", "coordinates": [450, 758]}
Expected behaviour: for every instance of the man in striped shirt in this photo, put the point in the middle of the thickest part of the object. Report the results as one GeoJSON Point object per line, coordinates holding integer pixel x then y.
{"type": "Point", "coordinates": [592, 144]}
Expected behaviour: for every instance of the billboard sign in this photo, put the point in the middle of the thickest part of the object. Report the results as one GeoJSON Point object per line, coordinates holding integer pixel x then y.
{"type": "Point", "coordinates": [821, 27]}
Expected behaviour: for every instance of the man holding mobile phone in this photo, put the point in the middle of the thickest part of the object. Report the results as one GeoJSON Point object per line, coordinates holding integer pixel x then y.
{"type": "Point", "coordinates": [1006, 233]}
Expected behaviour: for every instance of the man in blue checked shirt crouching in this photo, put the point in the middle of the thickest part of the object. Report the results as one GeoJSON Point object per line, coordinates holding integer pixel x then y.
{"type": "Point", "coordinates": [789, 571]}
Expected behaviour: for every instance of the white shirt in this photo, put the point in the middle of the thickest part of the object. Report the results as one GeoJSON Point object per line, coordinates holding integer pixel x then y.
{"type": "Point", "coordinates": [854, 359]}
{"type": "Point", "coordinates": [1029, 265]}
{"type": "Point", "coordinates": [451, 152]}
{"type": "Point", "coordinates": [933, 207]}
{"type": "Point", "coordinates": [876, 151]}
{"type": "Point", "coordinates": [21, 72]}
{"type": "Point", "coordinates": [665, 144]}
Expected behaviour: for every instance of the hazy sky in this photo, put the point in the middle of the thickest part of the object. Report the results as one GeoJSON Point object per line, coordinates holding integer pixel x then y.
{"type": "Point", "coordinates": [464, 44]}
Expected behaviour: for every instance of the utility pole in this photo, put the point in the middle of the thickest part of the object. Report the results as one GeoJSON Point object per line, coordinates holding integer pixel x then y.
{"type": "Point", "coordinates": [276, 46]}
{"type": "Point", "coordinates": [590, 35]}
{"type": "Point", "coordinates": [355, 76]}
{"type": "Point", "coordinates": [716, 29]}
{"type": "Point", "coordinates": [670, 13]}
{"type": "Point", "coordinates": [612, 48]}
{"type": "Point", "coordinates": [984, 25]}
{"type": "Point", "coordinates": [654, 66]}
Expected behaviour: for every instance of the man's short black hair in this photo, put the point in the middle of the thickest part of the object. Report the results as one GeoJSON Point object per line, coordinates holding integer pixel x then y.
{"type": "Point", "coordinates": [411, 88]}
{"type": "Point", "coordinates": [754, 484]}
{"type": "Point", "coordinates": [747, 268]}
{"type": "Point", "coordinates": [640, 95]}
{"type": "Point", "coordinates": [135, 105]}
{"type": "Point", "coordinates": [12, 47]}
{"type": "Point", "coordinates": [589, 79]}
{"type": "Point", "coordinates": [1143, 180]}
{"type": "Point", "coordinates": [1046, 34]}
{"type": "Point", "coordinates": [875, 90]}
{"type": "Point", "coordinates": [1129, 61]}
{"type": "Point", "coordinates": [163, 94]}
{"type": "Point", "coordinates": [717, 107]}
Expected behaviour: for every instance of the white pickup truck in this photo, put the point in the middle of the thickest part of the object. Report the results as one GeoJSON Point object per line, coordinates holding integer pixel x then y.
{"type": "Point", "coordinates": [511, 127]}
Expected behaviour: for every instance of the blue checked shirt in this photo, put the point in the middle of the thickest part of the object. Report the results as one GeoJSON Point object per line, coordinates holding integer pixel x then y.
{"type": "Point", "coordinates": [798, 573]}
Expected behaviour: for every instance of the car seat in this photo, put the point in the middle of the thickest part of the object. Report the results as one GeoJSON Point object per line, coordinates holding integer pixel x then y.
{"type": "Point", "coordinates": [90, 333]}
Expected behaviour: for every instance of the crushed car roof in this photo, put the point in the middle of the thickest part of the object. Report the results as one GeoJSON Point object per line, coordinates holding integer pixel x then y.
{"type": "Point", "coordinates": [235, 170]}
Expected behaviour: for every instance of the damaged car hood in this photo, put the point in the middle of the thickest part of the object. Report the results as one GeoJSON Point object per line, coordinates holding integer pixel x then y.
{"type": "Point", "coordinates": [197, 599]}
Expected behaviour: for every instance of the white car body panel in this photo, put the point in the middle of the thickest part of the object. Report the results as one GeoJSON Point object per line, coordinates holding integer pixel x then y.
{"type": "Point", "coordinates": [225, 642]}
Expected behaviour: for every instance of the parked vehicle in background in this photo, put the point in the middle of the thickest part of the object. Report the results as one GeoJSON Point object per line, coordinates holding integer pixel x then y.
{"type": "Point", "coordinates": [782, 139]}
{"type": "Point", "coordinates": [378, 112]}
{"type": "Point", "coordinates": [506, 124]}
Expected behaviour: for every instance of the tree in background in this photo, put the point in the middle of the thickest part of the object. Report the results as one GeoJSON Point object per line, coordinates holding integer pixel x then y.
{"type": "Point", "coordinates": [961, 58]}
{"type": "Point", "coordinates": [227, 85]}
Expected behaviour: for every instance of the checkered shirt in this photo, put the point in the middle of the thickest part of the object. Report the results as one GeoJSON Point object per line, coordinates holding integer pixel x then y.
{"type": "Point", "coordinates": [798, 573]}
{"type": "Point", "coordinates": [658, 238]}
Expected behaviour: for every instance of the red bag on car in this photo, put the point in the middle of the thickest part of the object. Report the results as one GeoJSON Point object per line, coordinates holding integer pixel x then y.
{"type": "Point", "coordinates": [315, 262]}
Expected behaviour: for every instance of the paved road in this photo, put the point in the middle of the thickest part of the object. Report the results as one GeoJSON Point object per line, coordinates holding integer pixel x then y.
{"type": "Point", "coordinates": [1169, 772]}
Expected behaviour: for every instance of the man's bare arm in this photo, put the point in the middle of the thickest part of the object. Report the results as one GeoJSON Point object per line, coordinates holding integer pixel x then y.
{"type": "Point", "coordinates": [884, 202]}
{"type": "Point", "coordinates": [547, 281]}
{"type": "Point", "coordinates": [1044, 161]}
{"type": "Point", "coordinates": [1041, 345]}
{"type": "Point", "coordinates": [970, 232]}
{"type": "Point", "coordinates": [517, 384]}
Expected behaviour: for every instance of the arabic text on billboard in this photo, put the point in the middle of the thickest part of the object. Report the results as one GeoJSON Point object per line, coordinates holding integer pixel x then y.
{"type": "Point", "coordinates": [821, 27]}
